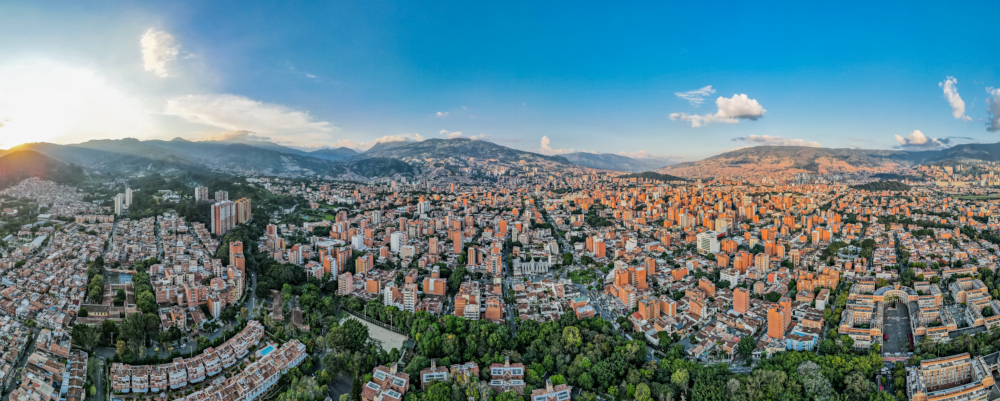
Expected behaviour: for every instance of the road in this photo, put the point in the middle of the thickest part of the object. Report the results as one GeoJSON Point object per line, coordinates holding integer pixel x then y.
{"type": "Point", "coordinates": [100, 379]}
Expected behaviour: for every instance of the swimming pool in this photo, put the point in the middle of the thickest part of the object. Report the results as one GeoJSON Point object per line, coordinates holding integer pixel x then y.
{"type": "Point", "coordinates": [266, 351]}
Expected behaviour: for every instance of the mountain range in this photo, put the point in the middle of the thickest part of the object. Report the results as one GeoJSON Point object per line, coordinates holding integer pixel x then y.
{"type": "Point", "coordinates": [131, 156]}
{"type": "Point", "coordinates": [803, 159]}
{"type": "Point", "coordinates": [241, 155]}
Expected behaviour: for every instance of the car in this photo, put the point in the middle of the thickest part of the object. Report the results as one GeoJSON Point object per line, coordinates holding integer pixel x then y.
{"type": "Point", "coordinates": [885, 336]}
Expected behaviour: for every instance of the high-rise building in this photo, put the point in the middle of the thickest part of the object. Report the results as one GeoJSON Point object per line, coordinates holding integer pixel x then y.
{"type": "Point", "coordinates": [201, 194]}
{"type": "Point", "coordinates": [119, 202]}
{"type": "Point", "coordinates": [223, 217]}
{"type": "Point", "coordinates": [779, 318]}
{"type": "Point", "coordinates": [395, 241]}
{"type": "Point", "coordinates": [494, 264]}
{"type": "Point", "coordinates": [762, 262]}
{"type": "Point", "coordinates": [708, 242]}
{"type": "Point", "coordinates": [775, 322]}
{"type": "Point", "coordinates": [741, 300]}
{"type": "Point", "coordinates": [243, 211]}
{"type": "Point", "coordinates": [221, 196]}
{"type": "Point", "coordinates": [345, 283]}
{"type": "Point", "coordinates": [410, 297]}
{"type": "Point", "coordinates": [128, 197]}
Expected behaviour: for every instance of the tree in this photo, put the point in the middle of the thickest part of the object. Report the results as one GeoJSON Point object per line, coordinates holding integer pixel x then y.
{"type": "Point", "coordinates": [571, 337]}
{"type": "Point", "coordinates": [772, 296]}
{"type": "Point", "coordinates": [746, 346]}
{"type": "Point", "coordinates": [86, 336]}
{"type": "Point", "coordinates": [585, 381]}
{"type": "Point", "coordinates": [440, 391]}
{"type": "Point", "coordinates": [816, 385]}
{"type": "Point", "coordinates": [857, 387]}
{"type": "Point", "coordinates": [121, 348]}
{"type": "Point", "coordinates": [508, 395]}
{"type": "Point", "coordinates": [133, 331]}
{"type": "Point", "coordinates": [680, 378]}
{"type": "Point", "coordinates": [557, 380]}
{"type": "Point", "coordinates": [642, 392]}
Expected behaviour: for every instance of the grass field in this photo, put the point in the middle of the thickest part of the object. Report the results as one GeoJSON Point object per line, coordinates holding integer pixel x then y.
{"type": "Point", "coordinates": [582, 276]}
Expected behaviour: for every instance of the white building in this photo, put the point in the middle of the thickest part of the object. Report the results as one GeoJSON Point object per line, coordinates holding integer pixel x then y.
{"type": "Point", "coordinates": [730, 275]}
{"type": "Point", "coordinates": [708, 242]}
{"type": "Point", "coordinates": [396, 241]}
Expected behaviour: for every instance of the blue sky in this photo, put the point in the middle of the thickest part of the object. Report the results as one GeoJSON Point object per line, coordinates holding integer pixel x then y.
{"type": "Point", "coordinates": [587, 77]}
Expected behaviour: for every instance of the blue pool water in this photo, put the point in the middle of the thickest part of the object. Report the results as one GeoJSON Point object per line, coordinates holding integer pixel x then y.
{"type": "Point", "coordinates": [266, 351]}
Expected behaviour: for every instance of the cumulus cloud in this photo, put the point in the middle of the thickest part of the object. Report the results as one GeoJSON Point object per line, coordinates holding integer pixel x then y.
{"type": "Point", "coordinates": [547, 149]}
{"type": "Point", "coordinates": [159, 49]}
{"type": "Point", "coordinates": [697, 96]}
{"type": "Point", "coordinates": [233, 112]}
{"type": "Point", "coordinates": [768, 140]}
{"type": "Point", "coordinates": [442, 113]}
{"type": "Point", "coordinates": [459, 134]}
{"type": "Point", "coordinates": [731, 111]}
{"type": "Point", "coordinates": [918, 141]}
{"type": "Point", "coordinates": [993, 108]}
{"type": "Point", "coordinates": [348, 143]}
{"type": "Point", "coordinates": [450, 134]}
{"type": "Point", "coordinates": [400, 138]}
{"type": "Point", "coordinates": [956, 102]}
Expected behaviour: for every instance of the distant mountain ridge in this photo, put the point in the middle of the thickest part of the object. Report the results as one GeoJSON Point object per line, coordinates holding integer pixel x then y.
{"type": "Point", "coordinates": [458, 147]}
{"type": "Point", "coordinates": [772, 159]}
{"type": "Point", "coordinates": [334, 154]}
{"type": "Point", "coordinates": [131, 156]}
{"type": "Point", "coordinates": [610, 161]}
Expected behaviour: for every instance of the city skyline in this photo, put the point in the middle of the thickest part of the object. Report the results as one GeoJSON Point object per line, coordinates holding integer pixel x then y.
{"type": "Point", "coordinates": [678, 82]}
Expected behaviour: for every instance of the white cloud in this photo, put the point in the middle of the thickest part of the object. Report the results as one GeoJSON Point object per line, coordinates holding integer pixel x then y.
{"type": "Point", "coordinates": [400, 138]}
{"type": "Point", "coordinates": [362, 146]}
{"type": "Point", "coordinates": [442, 113]}
{"type": "Point", "coordinates": [547, 149]}
{"type": "Point", "coordinates": [158, 49]}
{"type": "Point", "coordinates": [233, 112]}
{"type": "Point", "coordinates": [739, 106]}
{"type": "Point", "coordinates": [697, 96]}
{"type": "Point", "coordinates": [450, 134]}
{"type": "Point", "coordinates": [731, 111]}
{"type": "Point", "coordinates": [768, 140]}
{"type": "Point", "coordinates": [308, 75]}
{"type": "Point", "coordinates": [45, 101]}
{"type": "Point", "coordinates": [993, 108]}
{"type": "Point", "coordinates": [956, 102]}
{"type": "Point", "coordinates": [918, 141]}
{"type": "Point", "coordinates": [459, 134]}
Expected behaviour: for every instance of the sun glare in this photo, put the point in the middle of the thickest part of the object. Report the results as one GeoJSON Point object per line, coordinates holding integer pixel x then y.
{"type": "Point", "coordinates": [42, 101]}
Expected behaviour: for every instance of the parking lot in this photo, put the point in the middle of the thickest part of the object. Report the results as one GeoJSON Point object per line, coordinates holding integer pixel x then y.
{"type": "Point", "coordinates": [897, 326]}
